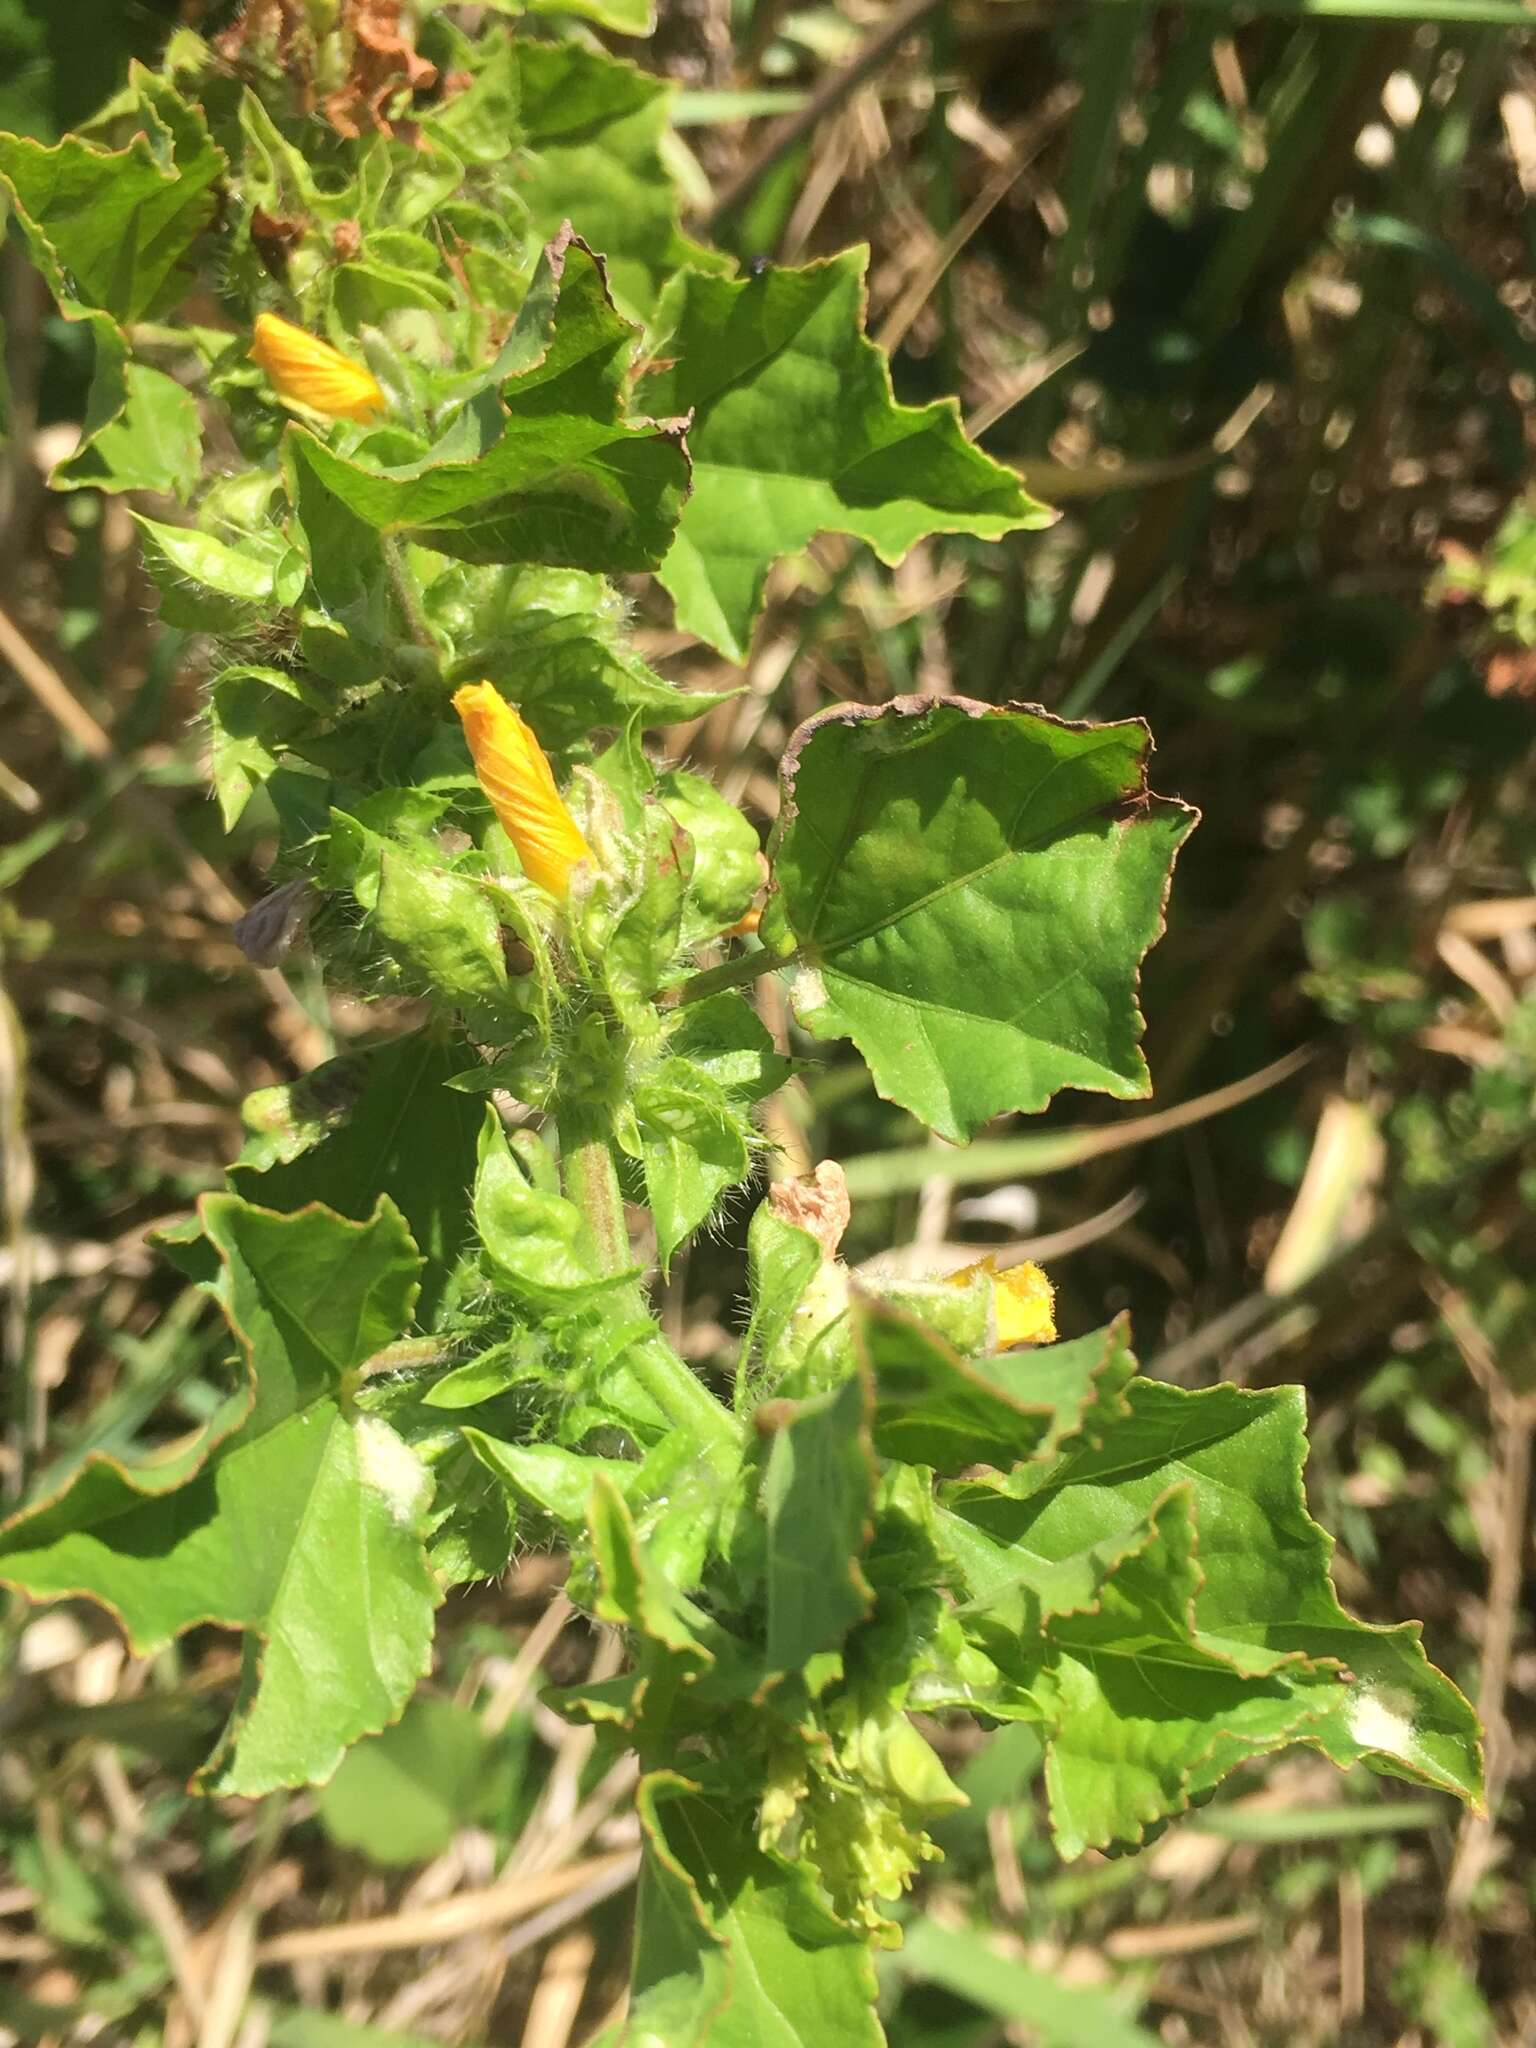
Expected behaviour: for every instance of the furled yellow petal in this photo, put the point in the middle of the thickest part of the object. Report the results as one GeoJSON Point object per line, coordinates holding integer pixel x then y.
{"type": "Point", "coordinates": [1023, 1301]}
{"type": "Point", "coordinates": [310, 372]}
{"type": "Point", "coordinates": [515, 774]}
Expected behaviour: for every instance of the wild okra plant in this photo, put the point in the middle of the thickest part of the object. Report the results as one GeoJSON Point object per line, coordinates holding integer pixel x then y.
{"type": "Point", "coordinates": [401, 430]}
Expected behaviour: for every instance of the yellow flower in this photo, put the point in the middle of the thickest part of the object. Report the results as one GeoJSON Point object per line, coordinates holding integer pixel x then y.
{"type": "Point", "coordinates": [515, 774]}
{"type": "Point", "coordinates": [1023, 1301]}
{"type": "Point", "coordinates": [308, 371]}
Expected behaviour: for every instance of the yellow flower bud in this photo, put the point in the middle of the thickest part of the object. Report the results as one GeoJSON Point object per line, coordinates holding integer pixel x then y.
{"type": "Point", "coordinates": [1023, 1301]}
{"type": "Point", "coordinates": [308, 371]}
{"type": "Point", "coordinates": [515, 774]}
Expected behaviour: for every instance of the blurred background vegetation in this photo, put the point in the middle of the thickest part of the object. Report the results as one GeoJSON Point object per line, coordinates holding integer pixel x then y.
{"type": "Point", "coordinates": [1249, 294]}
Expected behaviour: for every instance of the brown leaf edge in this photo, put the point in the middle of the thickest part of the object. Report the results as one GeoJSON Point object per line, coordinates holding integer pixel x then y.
{"type": "Point", "coordinates": [214, 1438]}
{"type": "Point", "coordinates": [1136, 803]}
{"type": "Point", "coordinates": [1116, 1336]}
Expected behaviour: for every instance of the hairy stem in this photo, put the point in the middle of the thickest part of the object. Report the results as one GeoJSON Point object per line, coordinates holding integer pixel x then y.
{"type": "Point", "coordinates": [591, 1181]}
{"type": "Point", "coordinates": [746, 967]}
{"type": "Point", "coordinates": [406, 593]}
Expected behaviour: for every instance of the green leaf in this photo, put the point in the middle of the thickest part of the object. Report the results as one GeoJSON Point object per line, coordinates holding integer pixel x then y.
{"type": "Point", "coordinates": [482, 1378]}
{"type": "Point", "coordinates": [209, 587]}
{"type": "Point", "coordinates": [795, 432]}
{"type": "Point", "coordinates": [692, 1146]}
{"type": "Point", "coordinates": [818, 1504]}
{"type": "Point", "coordinates": [723, 1037]}
{"type": "Point", "coordinates": [782, 1262]}
{"type": "Point", "coordinates": [728, 863]}
{"type": "Point", "coordinates": [1438, 1989]}
{"type": "Point", "coordinates": [365, 294]}
{"type": "Point", "coordinates": [109, 228]}
{"type": "Point", "coordinates": [556, 1481]}
{"type": "Point", "coordinates": [310, 1296]}
{"type": "Point", "coordinates": [672, 1496]}
{"type": "Point", "coordinates": [555, 643]}
{"type": "Point", "coordinates": [254, 714]}
{"type": "Point", "coordinates": [29, 86]}
{"type": "Point", "coordinates": [593, 131]}
{"type": "Point", "coordinates": [1140, 1705]}
{"type": "Point", "coordinates": [631, 1589]}
{"type": "Point", "coordinates": [1157, 1674]}
{"type": "Point", "coordinates": [110, 265]}
{"type": "Point", "coordinates": [640, 935]}
{"type": "Point", "coordinates": [60, 64]}
{"type": "Point", "coordinates": [478, 119]}
{"type": "Point", "coordinates": [934, 1407]}
{"type": "Point", "coordinates": [290, 1119]}
{"type": "Point", "coordinates": [292, 1517]}
{"type": "Point", "coordinates": [972, 890]}
{"type": "Point", "coordinates": [471, 1528]}
{"type": "Point", "coordinates": [395, 1129]}
{"type": "Point", "coordinates": [444, 925]}
{"type": "Point", "coordinates": [141, 430]}
{"type": "Point", "coordinates": [958, 1312]}
{"type": "Point", "coordinates": [345, 565]}
{"type": "Point", "coordinates": [403, 1795]}
{"type": "Point", "coordinates": [536, 1243]}
{"type": "Point", "coordinates": [547, 471]}
{"type": "Point", "coordinates": [732, 1948]}
{"type": "Point", "coordinates": [441, 926]}
{"type": "Point", "coordinates": [628, 17]}
{"type": "Point", "coordinates": [289, 2027]}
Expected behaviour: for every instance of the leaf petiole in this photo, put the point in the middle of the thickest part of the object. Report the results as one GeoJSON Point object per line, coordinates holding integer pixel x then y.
{"type": "Point", "coordinates": [737, 973]}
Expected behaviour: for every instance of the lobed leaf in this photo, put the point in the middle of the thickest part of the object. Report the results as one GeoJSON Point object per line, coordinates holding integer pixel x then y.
{"type": "Point", "coordinates": [1188, 1617]}
{"type": "Point", "coordinates": [1140, 1703]}
{"type": "Point", "coordinates": [734, 1949]}
{"type": "Point", "coordinates": [934, 1407]}
{"type": "Point", "coordinates": [109, 228]}
{"type": "Point", "coordinates": [397, 1130]}
{"type": "Point", "coordinates": [593, 133]}
{"type": "Point", "coordinates": [544, 470]}
{"type": "Point", "coordinates": [291, 1517]}
{"type": "Point", "coordinates": [971, 890]}
{"type": "Point", "coordinates": [795, 432]}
